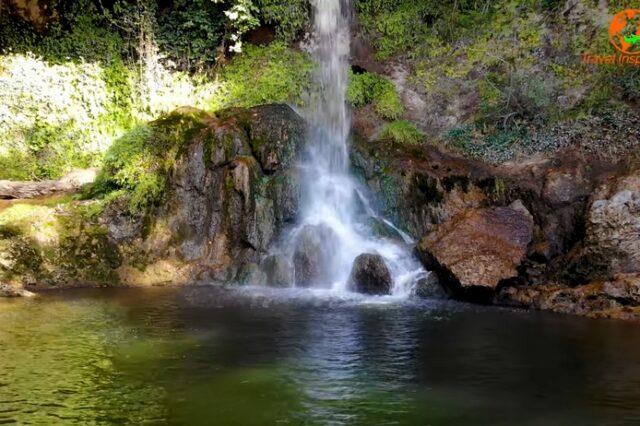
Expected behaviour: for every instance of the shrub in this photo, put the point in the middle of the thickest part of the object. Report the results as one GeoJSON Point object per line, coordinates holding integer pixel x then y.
{"type": "Point", "coordinates": [388, 104]}
{"type": "Point", "coordinates": [290, 16]}
{"type": "Point", "coordinates": [401, 132]}
{"type": "Point", "coordinates": [51, 115]}
{"type": "Point", "coordinates": [264, 74]}
{"type": "Point", "coordinates": [138, 163]}
{"type": "Point", "coordinates": [190, 32]}
{"type": "Point", "coordinates": [368, 88]}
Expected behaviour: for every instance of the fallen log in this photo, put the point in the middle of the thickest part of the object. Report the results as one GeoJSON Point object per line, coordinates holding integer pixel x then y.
{"type": "Point", "coordinates": [14, 190]}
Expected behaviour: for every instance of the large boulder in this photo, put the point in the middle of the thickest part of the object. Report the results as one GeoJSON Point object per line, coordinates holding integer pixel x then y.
{"type": "Point", "coordinates": [313, 256]}
{"type": "Point", "coordinates": [370, 275]}
{"type": "Point", "coordinates": [479, 248]}
{"type": "Point", "coordinates": [278, 270]}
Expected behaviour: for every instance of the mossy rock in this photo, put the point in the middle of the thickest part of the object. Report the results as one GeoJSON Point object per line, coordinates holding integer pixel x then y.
{"type": "Point", "coordinates": [56, 246]}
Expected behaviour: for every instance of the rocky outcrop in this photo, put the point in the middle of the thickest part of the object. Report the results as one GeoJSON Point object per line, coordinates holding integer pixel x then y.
{"type": "Point", "coordinates": [313, 256]}
{"type": "Point", "coordinates": [556, 228]}
{"type": "Point", "coordinates": [370, 275]}
{"type": "Point", "coordinates": [479, 248]}
{"type": "Point", "coordinates": [229, 186]}
{"type": "Point", "coordinates": [429, 287]}
{"type": "Point", "coordinates": [616, 298]}
{"type": "Point", "coordinates": [612, 236]}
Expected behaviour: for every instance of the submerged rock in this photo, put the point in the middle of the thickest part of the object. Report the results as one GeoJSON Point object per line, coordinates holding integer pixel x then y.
{"type": "Point", "coordinates": [313, 256]}
{"type": "Point", "coordinates": [478, 249]}
{"type": "Point", "coordinates": [277, 270]}
{"type": "Point", "coordinates": [370, 275]}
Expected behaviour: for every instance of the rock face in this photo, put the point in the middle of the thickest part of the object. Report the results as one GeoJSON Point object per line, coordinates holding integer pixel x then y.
{"type": "Point", "coordinates": [251, 274]}
{"type": "Point", "coordinates": [313, 256]}
{"type": "Point", "coordinates": [228, 187]}
{"type": "Point", "coordinates": [278, 271]}
{"type": "Point", "coordinates": [547, 233]}
{"type": "Point", "coordinates": [616, 298]}
{"type": "Point", "coordinates": [235, 188]}
{"type": "Point", "coordinates": [479, 248]}
{"type": "Point", "coordinates": [612, 241]}
{"type": "Point", "coordinates": [370, 275]}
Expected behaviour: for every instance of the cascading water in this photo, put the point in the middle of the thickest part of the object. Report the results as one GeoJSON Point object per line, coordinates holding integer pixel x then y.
{"type": "Point", "coordinates": [333, 205]}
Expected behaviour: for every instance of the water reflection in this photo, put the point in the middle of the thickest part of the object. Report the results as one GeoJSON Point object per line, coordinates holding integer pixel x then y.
{"type": "Point", "coordinates": [199, 356]}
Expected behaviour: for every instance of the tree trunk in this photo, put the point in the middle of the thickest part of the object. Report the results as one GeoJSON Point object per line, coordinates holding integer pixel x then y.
{"type": "Point", "coordinates": [13, 190]}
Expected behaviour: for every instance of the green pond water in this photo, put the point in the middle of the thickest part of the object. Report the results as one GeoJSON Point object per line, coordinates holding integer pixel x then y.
{"type": "Point", "coordinates": [205, 356]}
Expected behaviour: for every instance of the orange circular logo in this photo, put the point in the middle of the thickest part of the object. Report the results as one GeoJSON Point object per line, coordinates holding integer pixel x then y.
{"type": "Point", "coordinates": [624, 31]}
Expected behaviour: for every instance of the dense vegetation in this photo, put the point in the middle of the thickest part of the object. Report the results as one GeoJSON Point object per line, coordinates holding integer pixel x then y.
{"type": "Point", "coordinates": [515, 65]}
{"type": "Point", "coordinates": [499, 78]}
{"type": "Point", "coordinates": [78, 81]}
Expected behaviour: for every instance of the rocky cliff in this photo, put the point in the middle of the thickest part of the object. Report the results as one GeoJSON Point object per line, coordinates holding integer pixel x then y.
{"type": "Point", "coordinates": [228, 187]}
{"type": "Point", "coordinates": [556, 233]}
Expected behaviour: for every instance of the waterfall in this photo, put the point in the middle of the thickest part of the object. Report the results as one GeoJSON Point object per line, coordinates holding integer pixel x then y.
{"type": "Point", "coordinates": [332, 204]}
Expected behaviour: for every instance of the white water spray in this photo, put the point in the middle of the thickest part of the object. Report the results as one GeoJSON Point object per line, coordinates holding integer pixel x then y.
{"type": "Point", "coordinates": [331, 197]}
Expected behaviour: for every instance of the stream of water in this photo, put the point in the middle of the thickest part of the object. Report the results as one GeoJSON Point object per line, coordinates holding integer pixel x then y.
{"type": "Point", "coordinates": [332, 201]}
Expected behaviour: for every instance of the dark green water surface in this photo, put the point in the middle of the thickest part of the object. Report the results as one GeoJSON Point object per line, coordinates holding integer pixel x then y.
{"type": "Point", "coordinates": [202, 356]}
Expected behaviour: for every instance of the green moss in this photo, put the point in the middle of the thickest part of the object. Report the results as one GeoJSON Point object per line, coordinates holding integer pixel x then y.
{"type": "Point", "coordinates": [395, 25]}
{"type": "Point", "coordinates": [84, 251]}
{"type": "Point", "coordinates": [368, 88]}
{"type": "Point", "coordinates": [137, 164]}
{"type": "Point", "coordinates": [53, 245]}
{"type": "Point", "coordinates": [401, 132]}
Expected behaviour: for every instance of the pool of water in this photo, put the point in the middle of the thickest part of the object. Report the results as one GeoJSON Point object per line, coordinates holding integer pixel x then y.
{"type": "Point", "coordinates": [205, 356]}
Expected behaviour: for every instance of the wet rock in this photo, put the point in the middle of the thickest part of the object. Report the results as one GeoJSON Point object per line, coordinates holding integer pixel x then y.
{"type": "Point", "coordinates": [7, 290]}
{"type": "Point", "coordinates": [370, 275]}
{"type": "Point", "coordinates": [616, 298]}
{"type": "Point", "coordinates": [381, 229]}
{"type": "Point", "coordinates": [478, 249]}
{"type": "Point", "coordinates": [234, 189]}
{"type": "Point", "coordinates": [277, 270]}
{"type": "Point", "coordinates": [251, 274]}
{"type": "Point", "coordinates": [429, 287]}
{"type": "Point", "coordinates": [276, 135]}
{"type": "Point", "coordinates": [313, 256]}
